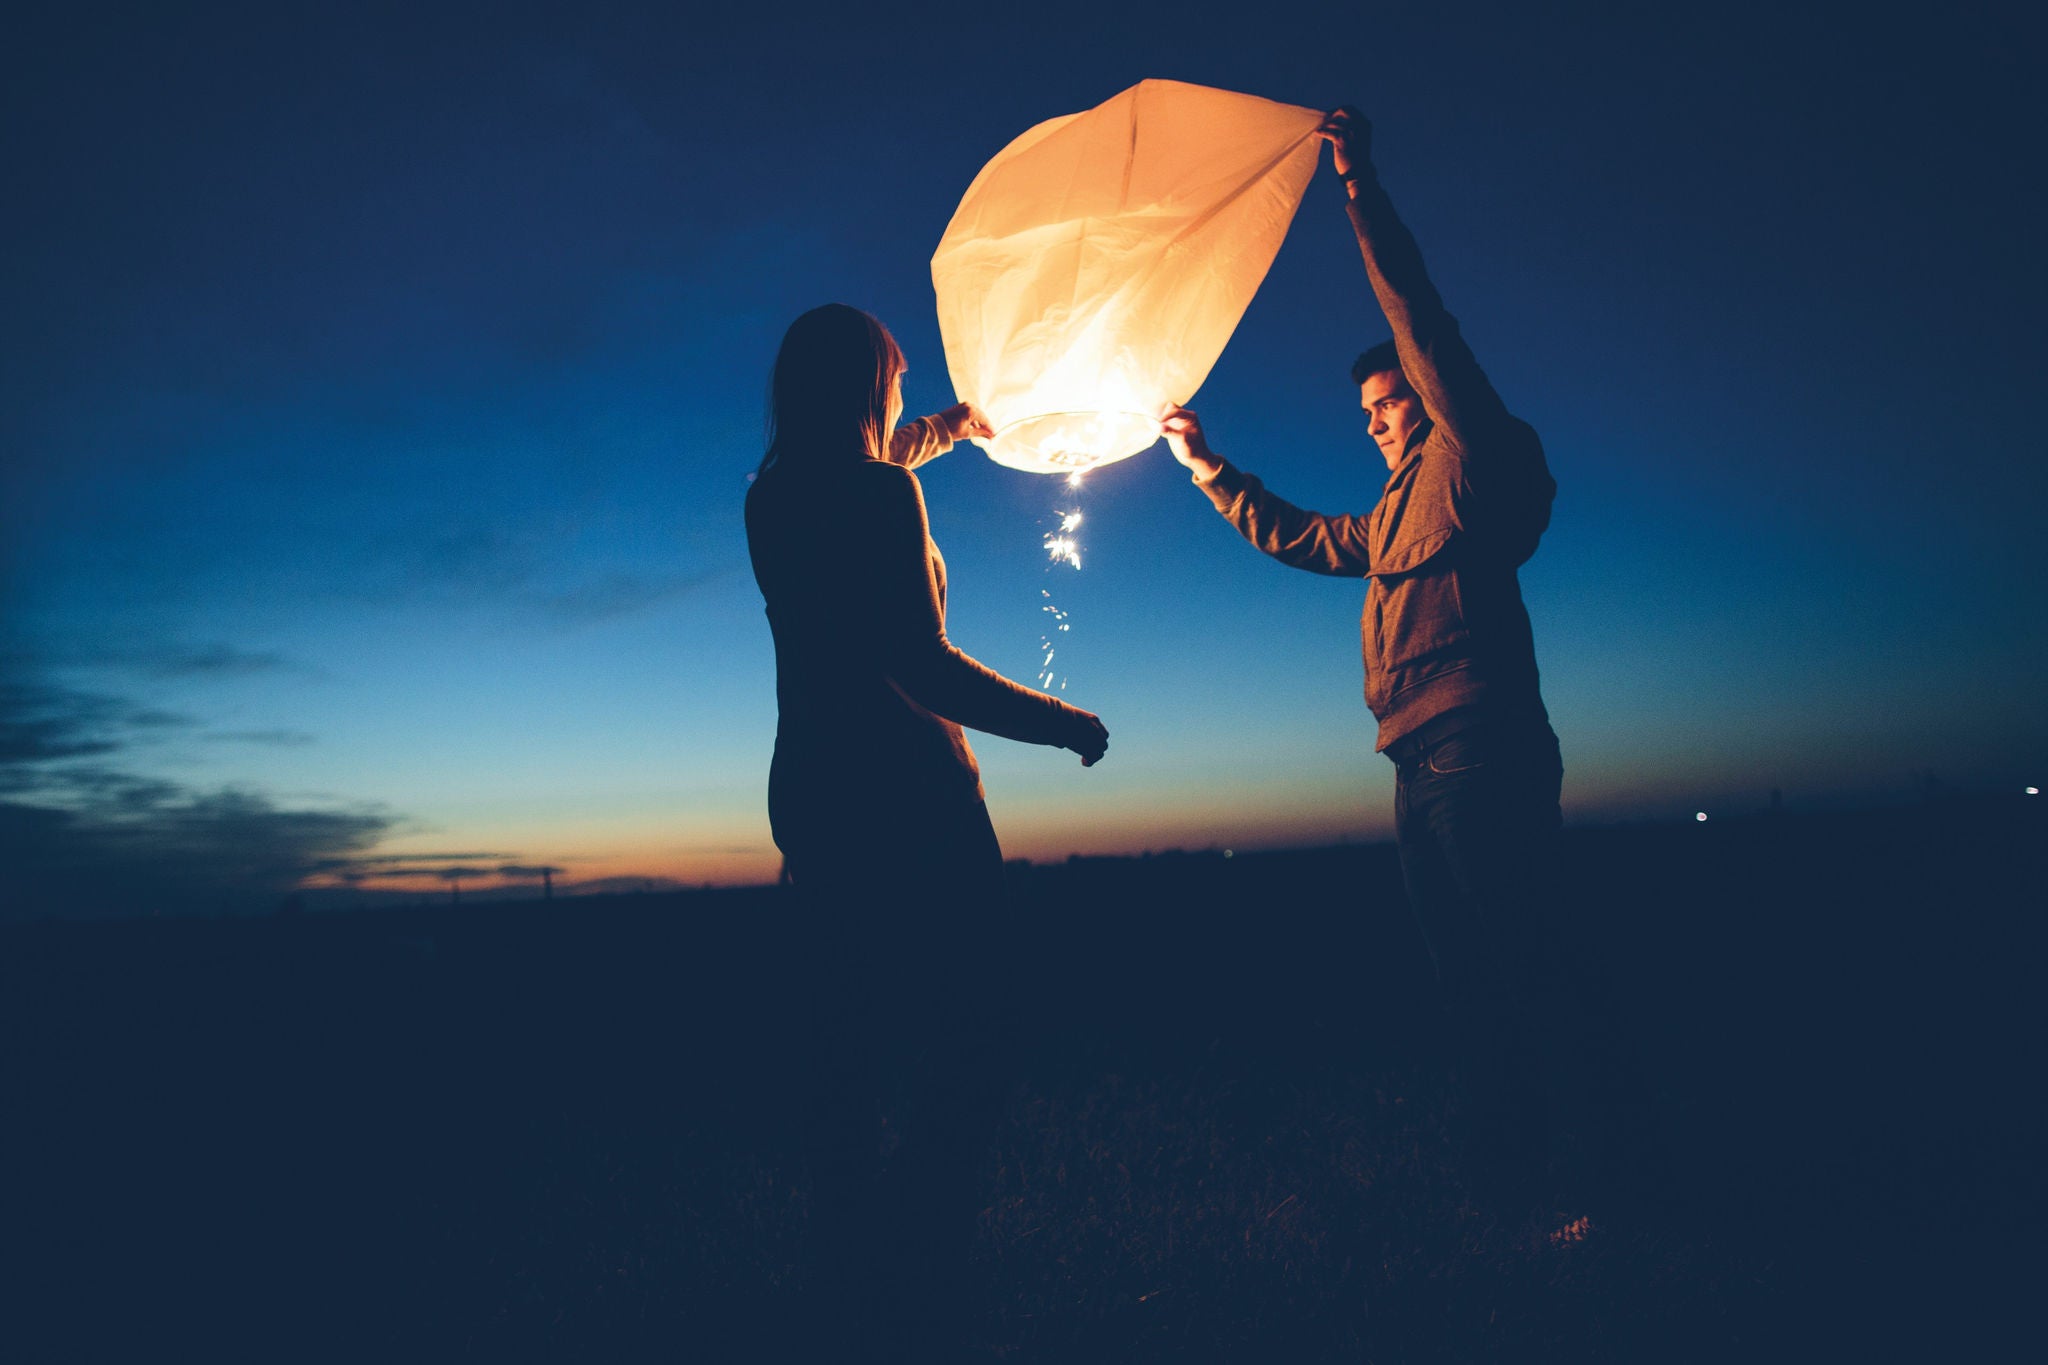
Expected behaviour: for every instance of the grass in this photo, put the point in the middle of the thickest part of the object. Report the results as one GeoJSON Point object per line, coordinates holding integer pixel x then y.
{"type": "Point", "coordinates": [573, 1132]}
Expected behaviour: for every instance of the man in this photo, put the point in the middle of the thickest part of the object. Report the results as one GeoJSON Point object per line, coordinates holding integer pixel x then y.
{"type": "Point", "coordinates": [1450, 661]}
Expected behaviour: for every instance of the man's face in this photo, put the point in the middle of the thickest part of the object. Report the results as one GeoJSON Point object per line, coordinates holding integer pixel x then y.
{"type": "Point", "coordinates": [1392, 412]}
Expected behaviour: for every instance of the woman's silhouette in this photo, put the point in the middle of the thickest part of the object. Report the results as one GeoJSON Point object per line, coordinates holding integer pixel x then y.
{"type": "Point", "coordinates": [876, 803]}
{"type": "Point", "coordinates": [873, 786]}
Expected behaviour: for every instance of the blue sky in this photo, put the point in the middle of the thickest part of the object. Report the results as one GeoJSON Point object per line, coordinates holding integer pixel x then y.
{"type": "Point", "coordinates": [380, 388]}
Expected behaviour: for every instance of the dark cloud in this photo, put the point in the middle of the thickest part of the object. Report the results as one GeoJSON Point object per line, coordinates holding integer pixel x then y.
{"type": "Point", "coordinates": [612, 886]}
{"type": "Point", "coordinates": [104, 789]}
{"type": "Point", "coordinates": [452, 868]}
{"type": "Point", "coordinates": [458, 873]}
{"type": "Point", "coordinates": [81, 836]}
{"type": "Point", "coordinates": [35, 741]}
{"type": "Point", "coordinates": [461, 874]}
{"type": "Point", "coordinates": [383, 864]}
{"type": "Point", "coordinates": [43, 724]}
{"type": "Point", "coordinates": [159, 849]}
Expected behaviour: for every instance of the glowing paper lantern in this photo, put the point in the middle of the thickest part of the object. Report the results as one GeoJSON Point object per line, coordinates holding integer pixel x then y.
{"type": "Point", "coordinates": [1097, 266]}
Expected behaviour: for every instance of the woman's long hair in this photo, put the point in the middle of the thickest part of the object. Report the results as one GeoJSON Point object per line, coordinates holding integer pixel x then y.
{"type": "Point", "coordinates": [831, 391]}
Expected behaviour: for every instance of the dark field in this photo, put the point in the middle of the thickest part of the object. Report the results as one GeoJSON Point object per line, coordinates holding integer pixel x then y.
{"type": "Point", "coordinates": [575, 1130]}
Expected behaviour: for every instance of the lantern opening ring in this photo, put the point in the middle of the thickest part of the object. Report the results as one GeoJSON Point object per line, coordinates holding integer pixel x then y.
{"type": "Point", "coordinates": [1016, 422]}
{"type": "Point", "coordinates": [1070, 440]}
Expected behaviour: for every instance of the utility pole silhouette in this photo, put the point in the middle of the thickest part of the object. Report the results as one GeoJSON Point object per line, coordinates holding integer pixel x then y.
{"type": "Point", "coordinates": [547, 883]}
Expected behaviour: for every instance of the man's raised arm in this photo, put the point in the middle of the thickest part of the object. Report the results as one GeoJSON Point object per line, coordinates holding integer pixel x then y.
{"type": "Point", "coordinates": [1437, 363]}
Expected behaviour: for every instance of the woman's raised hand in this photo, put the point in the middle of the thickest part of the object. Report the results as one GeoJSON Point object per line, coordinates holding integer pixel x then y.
{"type": "Point", "coordinates": [963, 420]}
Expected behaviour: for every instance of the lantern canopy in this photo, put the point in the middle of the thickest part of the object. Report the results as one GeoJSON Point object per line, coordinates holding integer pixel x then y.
{"type": "Point", "coordinates": [1097, 266]}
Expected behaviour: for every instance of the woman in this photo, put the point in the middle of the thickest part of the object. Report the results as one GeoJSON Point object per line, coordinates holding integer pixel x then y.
{"type": "Point", "coordinates": [876, 803]}
{"type": "Point", "coordinates": [873, 786]}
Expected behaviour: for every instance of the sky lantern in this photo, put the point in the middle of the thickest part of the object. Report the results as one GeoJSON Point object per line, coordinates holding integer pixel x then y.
{"type": "Point", "coordinates": [1097, 266]}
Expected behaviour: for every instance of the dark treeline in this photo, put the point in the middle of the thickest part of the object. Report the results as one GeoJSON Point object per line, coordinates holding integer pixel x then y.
{"type": "Point", "coordinates": [505, 1130]}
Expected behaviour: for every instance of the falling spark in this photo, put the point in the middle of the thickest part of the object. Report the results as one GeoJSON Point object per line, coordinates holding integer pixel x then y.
{"type": "Point", "coordinates": [1045, 674]}
{"type": "Point", "coordinates": [1060, 544]}
{"type": "Point", "coordinates": [1063, 549]}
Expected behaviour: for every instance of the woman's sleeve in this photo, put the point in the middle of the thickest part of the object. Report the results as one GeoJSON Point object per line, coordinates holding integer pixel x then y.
{"type": "Point", "coordinates": [915, 442]}
{"type": "Point", "coordinates": [911, 631]}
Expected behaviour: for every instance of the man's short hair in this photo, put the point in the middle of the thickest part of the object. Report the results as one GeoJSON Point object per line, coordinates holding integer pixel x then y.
{"type": "Point", "coordinates": [1375, 360]}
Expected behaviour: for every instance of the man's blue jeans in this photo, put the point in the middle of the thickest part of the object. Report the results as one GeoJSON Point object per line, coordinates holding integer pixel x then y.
{"type": "Point", "coordinates": [1476, 816]}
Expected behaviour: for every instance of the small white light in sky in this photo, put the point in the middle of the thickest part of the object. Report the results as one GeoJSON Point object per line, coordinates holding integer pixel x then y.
{"type": "Point", "coordinates": [1074, 479]}
{"type": "Point", "coordinates": [1230, 853]}
{"type": "Point", "coordinates": [2033, 791]}
{"type": "Point", "coordinates": [1699, 815]}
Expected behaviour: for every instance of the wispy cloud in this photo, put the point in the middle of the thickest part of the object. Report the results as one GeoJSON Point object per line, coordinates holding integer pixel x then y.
{"type": "Point", "coordinates": [513, 572]}
{"type": "Point", "coordinates": [612, 596]}
{"type": "Point", "coordinates": [456, 873]}
{"type": "Point", "coordinates": [526, 873]}
{"type": "Point", "coordinates": [284, 739]}
{"type": "Point", "coordinates": [164, 662]}
{"type": "Point", "coordinates": [208, 661]}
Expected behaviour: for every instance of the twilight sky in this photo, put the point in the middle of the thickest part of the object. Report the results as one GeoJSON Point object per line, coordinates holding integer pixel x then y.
{"type": "Point", "coordinates": [380, 384]}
